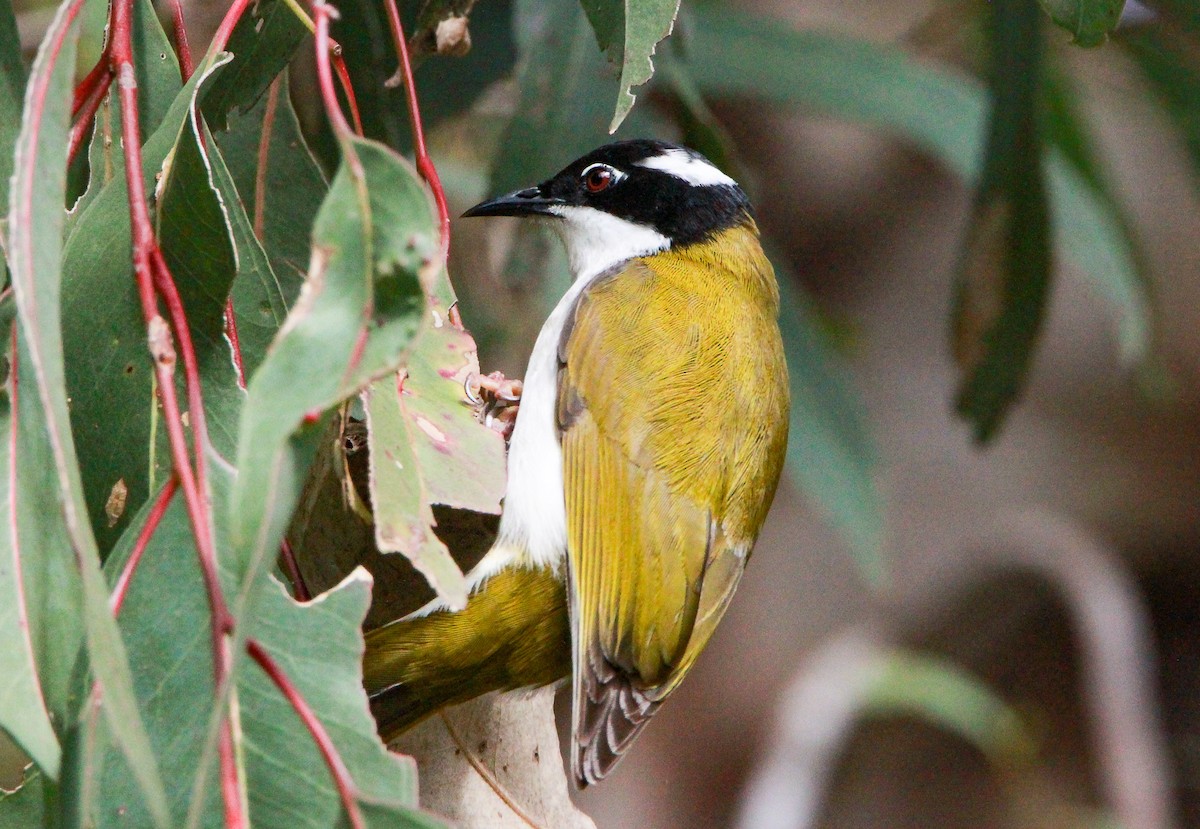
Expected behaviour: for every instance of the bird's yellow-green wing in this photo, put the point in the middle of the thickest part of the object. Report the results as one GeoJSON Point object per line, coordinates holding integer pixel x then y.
{"type": "Point", "coordinates": [673, 418]}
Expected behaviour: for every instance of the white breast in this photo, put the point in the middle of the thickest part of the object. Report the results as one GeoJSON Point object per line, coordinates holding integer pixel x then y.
{"type": "Point", "coordinates": [534, 523]}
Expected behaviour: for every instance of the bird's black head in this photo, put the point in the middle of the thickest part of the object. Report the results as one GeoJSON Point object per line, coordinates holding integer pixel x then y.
{"type": "Point", "coordinates": [628, 199]}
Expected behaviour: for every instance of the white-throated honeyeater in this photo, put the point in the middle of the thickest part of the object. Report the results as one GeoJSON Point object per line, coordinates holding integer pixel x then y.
{"type": "Point", "coordinates": [646, 450]}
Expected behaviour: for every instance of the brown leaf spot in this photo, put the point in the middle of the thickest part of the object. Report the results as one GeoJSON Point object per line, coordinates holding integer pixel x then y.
{"type": "Point", "coordinates": [981, 289]}
{"type": "Point", "coordinates": [114, 507]}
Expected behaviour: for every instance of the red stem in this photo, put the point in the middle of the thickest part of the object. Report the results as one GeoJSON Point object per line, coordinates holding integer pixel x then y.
{"type": "Point", "coordinates": [299, 588]}
{"type": "Point", "coordinates": [86, 116]}
{"type": "Point", "coordinates": [424, 162]}
{"type": "Point", "coordinates": [322, 11]}
{"type": "Point", "coordinates": [101, 73]}
{"type": "Point", "coordinates": [337, 768]}
{"type": "Point", "coordinates": [186, 65]}
{"type": "Point", "coordinates": [339, 66]}
{"type": "Point", "coordinates": [150, 272]}
{"type": "Point", "coordinates": [225, 30]}
{"type": "Point", "coordinates": [139, 546]}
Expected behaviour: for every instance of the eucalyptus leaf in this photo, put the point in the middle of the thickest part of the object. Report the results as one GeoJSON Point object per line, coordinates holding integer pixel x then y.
{"type": "Point", "coordinates": [277, 190]}
{"type": "Point", "coordinates": [35, 247]}
{"type": "Point", "coordinates": [629, 31]}
{"type": "Point", "coordinates": [1006, 263]}
{"type": "Point", "coordinates": [12, 93]}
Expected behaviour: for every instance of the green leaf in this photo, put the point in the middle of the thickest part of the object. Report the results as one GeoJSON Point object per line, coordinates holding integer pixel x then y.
{"type": "Point", "coordinates": [942, 112]}
{"type": "Point", "coordinates": [26, 806]}
{"type": "Point", "coordinates": [319, 647]}
{"type": "Point", "coordinates": [273, 211]}
{"type": "Point", "coordinates": [830, 453]}
{"type": "Point", "coordinates": [952, 699]}
{"type": "Point", "coordinates": [1089, 21]}
{"type": "Point", "coordinates": [23, 708]}
{"type": "Point", "coordinates": [628, 31]}
{"type": "Point", "coordinates": [110, 376]}
{"type": "Point", "coordinates": [1006, 265]}
{"type": "Point", "coordinates": [262, 44]}
{"type": "Point", "coordinates": [36, 220]}
{"type": "Point", "coordinates": [561, 113]}
{"type": "Point", "coordinates": [361, 306]}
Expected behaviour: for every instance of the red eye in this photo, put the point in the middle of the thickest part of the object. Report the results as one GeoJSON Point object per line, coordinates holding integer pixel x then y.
{"type": "Point", "coordinates": [597, 179]}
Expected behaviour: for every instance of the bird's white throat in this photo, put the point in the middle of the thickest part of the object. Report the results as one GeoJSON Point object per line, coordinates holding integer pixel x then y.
{"type": "Point", "coordinates": [595, 240]}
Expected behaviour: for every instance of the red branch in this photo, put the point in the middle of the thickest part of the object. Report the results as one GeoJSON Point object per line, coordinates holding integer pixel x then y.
{"type": "Point", "coordinates": [424, 162]}
{"type": "Point", "coordinates": [87, 114]}
{"type": "Point", "coordinates": [101, 74]}
{"type": "Point", "coordinates": [322, 11]}
{"type": "Point", "coordinates": [151, 273]}
{"type": "Point", "coordinates": [186, 65]}
{"type": "Point", "coordinates": [339, 66]}
{"type": "Point", "coordinates": [139, 546]}
{"type": "Point", "coordinates": [299, 588]}
{"type": "Point", "coordinates": [337, 768]}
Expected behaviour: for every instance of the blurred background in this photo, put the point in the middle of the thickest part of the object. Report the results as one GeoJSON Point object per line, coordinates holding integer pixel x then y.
{"type": "Point", "coordinates": [994, 635]}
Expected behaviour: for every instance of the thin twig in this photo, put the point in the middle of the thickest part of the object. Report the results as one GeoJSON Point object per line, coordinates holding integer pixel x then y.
{"type": "Point", "coordinates": [151, 273]}
{"type": "Point", "coordinates": [86, 116]}
{"type": "Point", "coordinates": [322, 12]}
{"type": "Point", "coordinates": [424, 163]}
{"type": "Point", "coordinates": [186, 66]}
{"type": "Point", "coordinates": [299, 589]}
{"type": "Point", "coordinates": [342, 780]}
{"type": "Point", "coordinates": [139, 546]}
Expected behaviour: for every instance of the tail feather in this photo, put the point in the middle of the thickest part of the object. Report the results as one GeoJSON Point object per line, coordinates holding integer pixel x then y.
{"type": "Point", "coordinates": [513, 633]}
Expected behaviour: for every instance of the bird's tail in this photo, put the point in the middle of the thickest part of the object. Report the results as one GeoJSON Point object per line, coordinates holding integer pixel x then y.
{"type": "Point", "coordinates": [513, 633]}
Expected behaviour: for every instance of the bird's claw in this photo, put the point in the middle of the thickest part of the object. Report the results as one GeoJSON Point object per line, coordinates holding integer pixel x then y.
{"type": "Point", "coordinates": [495, 398]}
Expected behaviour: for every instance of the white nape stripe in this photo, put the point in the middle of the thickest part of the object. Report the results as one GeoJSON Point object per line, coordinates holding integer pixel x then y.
{"type": "Point", "coordinates": [595, 241]}
{"type": "Point", "coordinates": [684, 165]}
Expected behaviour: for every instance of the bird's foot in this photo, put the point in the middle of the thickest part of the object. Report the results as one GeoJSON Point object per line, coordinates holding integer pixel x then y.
{"type": "Point", "coordinates": [496, 400]}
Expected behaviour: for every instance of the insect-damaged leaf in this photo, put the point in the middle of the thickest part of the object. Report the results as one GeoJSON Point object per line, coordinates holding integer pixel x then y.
{"type": "Point", "coordinates": [356, 315]}
{"type": "Point", "coordinates": [628, 31]}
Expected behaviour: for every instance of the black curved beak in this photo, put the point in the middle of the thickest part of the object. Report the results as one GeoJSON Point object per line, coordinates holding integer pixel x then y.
{"type": "Point", "coordinates": [527, 202]}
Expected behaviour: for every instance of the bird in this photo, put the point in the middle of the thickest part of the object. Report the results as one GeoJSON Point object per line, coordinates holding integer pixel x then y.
{"type": "Point", "coordinates": [647, 447]}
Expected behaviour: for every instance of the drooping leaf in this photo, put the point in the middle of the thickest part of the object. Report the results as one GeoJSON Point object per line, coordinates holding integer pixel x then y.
{"type": "Point", "coordinates": [1006, 263]}
{"type": "Point", "coordinates": [279, 189]}
{"type": "Point", "coordinates": [158, 81]}
{"type": "Point", "coordinates": [629, 31]}
{"type": "Point", "coordinates": [23, 707]}
{"type": "Point", "coordinates": [940, 111]}
{"type": "Point", "coordinates": [110, 377]}
{"type": "Point", "coordinates": [35, 247]}
{"type": "Point", "coordinates": [1088, 21]}
{"type": "Point", "coordinates": [563, 110]}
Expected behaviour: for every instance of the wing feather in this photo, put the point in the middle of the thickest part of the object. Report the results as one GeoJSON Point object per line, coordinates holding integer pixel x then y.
{"type": "Point", "coordinates": [658, 528]}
